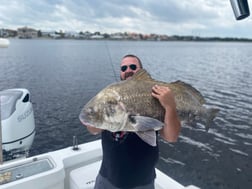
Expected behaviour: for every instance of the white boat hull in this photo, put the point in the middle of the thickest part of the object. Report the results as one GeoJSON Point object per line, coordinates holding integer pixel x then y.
{"type": "Point", "coordinates": [65, 169]}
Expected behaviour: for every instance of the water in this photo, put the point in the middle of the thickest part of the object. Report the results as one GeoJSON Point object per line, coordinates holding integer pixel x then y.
{"type": "Point", "coordinates": [62, 75]}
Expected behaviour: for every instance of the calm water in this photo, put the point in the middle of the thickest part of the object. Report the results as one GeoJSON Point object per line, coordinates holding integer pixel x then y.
{"type": "Point", "coordinates": [62, 75]}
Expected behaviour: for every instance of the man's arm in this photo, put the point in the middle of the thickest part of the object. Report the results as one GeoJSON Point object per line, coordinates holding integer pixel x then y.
{"type": "Point", "coordinates": [172, 127]}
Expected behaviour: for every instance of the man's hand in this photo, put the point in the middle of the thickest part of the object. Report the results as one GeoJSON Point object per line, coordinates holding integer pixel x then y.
{"type": "Point", "coordinates": [165, 96]}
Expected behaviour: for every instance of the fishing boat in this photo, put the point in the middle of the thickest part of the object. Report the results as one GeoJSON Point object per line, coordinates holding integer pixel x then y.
{"type": "Point", "coordinates": [74, 167]}
{"type": "Point", "coordinates": [4, 43]}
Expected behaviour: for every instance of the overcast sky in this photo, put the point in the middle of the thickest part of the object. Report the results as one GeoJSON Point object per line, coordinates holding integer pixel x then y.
{"type": "Point", "coordinates": [171, 17]}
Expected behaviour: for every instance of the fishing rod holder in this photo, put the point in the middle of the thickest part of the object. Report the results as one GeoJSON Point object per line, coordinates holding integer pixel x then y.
{"type": "Point", "coordinates": [75, 144]}
{"type": "Point", "coordinates": [240, 9]}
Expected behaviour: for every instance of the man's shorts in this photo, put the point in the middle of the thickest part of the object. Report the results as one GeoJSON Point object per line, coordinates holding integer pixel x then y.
{"type": "Point", "coordinates": [103, 183]}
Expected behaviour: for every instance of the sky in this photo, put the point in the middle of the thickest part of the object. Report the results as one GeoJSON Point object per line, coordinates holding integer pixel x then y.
{"type": "Point", "coordinates": [203, 18]}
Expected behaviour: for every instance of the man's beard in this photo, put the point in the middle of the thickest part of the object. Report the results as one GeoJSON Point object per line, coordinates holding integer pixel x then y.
{"type": "Point", "coordinates": [128, 74]}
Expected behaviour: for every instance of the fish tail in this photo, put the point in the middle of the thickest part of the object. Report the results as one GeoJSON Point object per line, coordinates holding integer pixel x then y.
{"type": "Point", "coordinates": [211, 114]}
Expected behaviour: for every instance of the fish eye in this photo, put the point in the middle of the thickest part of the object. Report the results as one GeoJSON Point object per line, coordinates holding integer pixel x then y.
{"type": "Point", "coordinates": [110, 110]}
{"type": "Point", "coordinates": [112, 102]}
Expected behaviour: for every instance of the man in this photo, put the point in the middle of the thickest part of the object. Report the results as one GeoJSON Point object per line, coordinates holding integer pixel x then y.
{"type": "Point", "coordinates": [128, 162]}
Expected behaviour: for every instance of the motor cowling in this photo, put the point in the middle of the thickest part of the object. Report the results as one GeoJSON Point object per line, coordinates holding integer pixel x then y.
{"type": "Point", "coordinates": [17, 120]}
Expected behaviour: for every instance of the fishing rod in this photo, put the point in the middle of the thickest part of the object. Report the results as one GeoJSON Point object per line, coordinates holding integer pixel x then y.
{"type": "Point", "coordinates": [110, 60]}
{"type": "Point", "coordinates": [109, 54]}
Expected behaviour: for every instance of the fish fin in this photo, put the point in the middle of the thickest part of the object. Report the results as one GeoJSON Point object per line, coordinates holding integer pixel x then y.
{"type": "Point", "coordinates": [149, 137]}
{"type": "Point", "coordinates": [190, 88]}
{"type": "Point", "coordinates": [142, 74]}
{"type": "Point", "coordinates": [211, 114]}
{"type": "Point", "coordinates": [143, 123]}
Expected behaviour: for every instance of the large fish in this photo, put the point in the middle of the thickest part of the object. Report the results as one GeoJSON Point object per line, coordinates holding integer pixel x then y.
{"type": "Point", "coordinates": [129, 106]}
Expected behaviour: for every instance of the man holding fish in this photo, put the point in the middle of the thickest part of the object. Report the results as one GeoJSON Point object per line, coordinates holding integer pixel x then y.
{"type": "Point", "coordinates": [130, 149]}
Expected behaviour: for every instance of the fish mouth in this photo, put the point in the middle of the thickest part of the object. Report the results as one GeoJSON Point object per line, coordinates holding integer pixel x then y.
{"type": "Point", "coordinates": [84, 122]}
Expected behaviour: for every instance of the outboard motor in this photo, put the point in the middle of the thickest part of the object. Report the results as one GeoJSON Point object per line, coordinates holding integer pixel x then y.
{"type": "Point", "coordinates": [240, 9]}
{"type": "Point", "coordinates": [18, 125]}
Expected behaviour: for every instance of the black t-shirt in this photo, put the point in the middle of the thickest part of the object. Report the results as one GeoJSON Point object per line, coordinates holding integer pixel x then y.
{"type": "Point", "coordinates": [127, 160]}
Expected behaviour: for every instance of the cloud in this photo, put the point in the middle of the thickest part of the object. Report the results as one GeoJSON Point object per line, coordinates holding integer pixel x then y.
{"type": "Point", "coordinates": [184, 17]}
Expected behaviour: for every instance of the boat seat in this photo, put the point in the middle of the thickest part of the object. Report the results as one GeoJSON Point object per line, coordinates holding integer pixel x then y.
{"type": "Point", "coordinates": [84, 177]}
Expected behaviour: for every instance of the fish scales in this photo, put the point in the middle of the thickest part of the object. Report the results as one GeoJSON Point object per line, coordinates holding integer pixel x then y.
{"type": "Point", "coordinates": [137, 100]}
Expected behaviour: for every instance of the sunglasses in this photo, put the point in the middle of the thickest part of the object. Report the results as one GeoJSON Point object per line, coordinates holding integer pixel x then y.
{"type": "Point", "coordinates": [131, 66]}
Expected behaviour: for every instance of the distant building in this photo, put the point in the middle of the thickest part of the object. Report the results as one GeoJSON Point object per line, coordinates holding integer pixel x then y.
{"type": "Point", "coordinates": [117, 36]}
{"type": "Point", "coordinates": [46, 34]}
{"type": "Point", "coordinates": [11, 33]}
{"type": "Point", "coordinates": [27, 33]}
{"type": "Point", "coordinates": [54, 35]}
{"type": "Point", "coordinates": [96, 36]}
{"type": "Point", "coordinates": [2, 32]}
{"type": "Point", "coordinates": [7, 33]}
{"type": "Point", "coordinates": [85, 35]}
